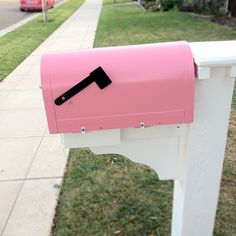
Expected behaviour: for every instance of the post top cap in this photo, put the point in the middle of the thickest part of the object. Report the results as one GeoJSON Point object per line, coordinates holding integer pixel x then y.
{"type": "Point", "coordinates": [214, 53]}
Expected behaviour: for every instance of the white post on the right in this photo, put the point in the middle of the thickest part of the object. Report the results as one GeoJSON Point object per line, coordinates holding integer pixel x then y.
{"type": "Point", "coordinates": [196, 190]}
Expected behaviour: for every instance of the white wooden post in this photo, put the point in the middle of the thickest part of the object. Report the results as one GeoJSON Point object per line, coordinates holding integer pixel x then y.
{"type": "Point", "coordinates": [197, 188]}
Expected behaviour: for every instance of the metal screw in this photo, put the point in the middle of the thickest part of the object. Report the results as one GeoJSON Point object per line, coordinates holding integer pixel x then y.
{"type": "Point", "coordinates": [63, 98]}
{"type": "Point", "coordinates": [83, 130]}
{"type": "Point", "coordinates": [142, 125]}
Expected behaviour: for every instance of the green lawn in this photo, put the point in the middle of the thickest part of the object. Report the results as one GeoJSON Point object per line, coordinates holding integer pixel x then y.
{"type": "Point", "coordinates": [108, 194]}
{"type": "Point", "coordinates": [111, 2]}
{"type": "Point", "coordinates": [123, 25]}
{"type": "Point", "coordinates": [18, 44]}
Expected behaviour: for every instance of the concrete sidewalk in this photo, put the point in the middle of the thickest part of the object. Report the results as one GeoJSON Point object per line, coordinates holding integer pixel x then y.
{"type": "Point", "coordinates": [32, 162]}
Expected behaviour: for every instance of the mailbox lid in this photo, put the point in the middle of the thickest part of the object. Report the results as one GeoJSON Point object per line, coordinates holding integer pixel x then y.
{"type": "Point", "coordinates": [151, 84]}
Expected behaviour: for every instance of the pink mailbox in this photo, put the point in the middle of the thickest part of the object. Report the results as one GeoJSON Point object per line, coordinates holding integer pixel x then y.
{"type": "Point", "coordinates": [118, 87]}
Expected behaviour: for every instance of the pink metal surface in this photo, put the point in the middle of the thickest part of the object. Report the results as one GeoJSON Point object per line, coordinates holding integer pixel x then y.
{"type": "Point", "coordinates": [151, 84]}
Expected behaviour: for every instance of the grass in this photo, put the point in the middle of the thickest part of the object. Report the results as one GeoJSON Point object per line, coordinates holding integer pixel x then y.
{"type": "Point", "coordinates": [18, 44]}
{"type": "Point", "coordinates": [125, 25]}
{"type": "Point", "coordinates": [108, 194]}
{"type": "Point", "coordinates": [225, 223]}
{"type": "Point", "coordinates": [112, 2]}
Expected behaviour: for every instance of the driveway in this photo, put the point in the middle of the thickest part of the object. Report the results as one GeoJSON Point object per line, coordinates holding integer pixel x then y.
{"type": "Point", "coordinates": [10, 13]}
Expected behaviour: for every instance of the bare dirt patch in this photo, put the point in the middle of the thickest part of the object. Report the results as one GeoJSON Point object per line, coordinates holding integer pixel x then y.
{"type": "Point", "coordinates": [227, 21]}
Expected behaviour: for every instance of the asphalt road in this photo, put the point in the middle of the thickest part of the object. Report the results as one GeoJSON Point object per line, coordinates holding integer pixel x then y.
{"type": "Point", "coordinates": [10, 13]}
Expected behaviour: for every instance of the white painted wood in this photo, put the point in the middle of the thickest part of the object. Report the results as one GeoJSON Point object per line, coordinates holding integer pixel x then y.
{"type": "Point", "coordinates": [232, 71]}
{"type": "Point", "coordinates": [197, 188]}
{"type": "Point", "coordinates": [218, 53]}
{"type": "Point", "coordinates": [203, 72]}
{"type": "Point", "coordinates": [214, 54]}
{"type": "Point", "coordinates": [95, 138]}
{"type": "Point", "coordinates": [154, 132]}
{"type": "Point", "coordinates": [158, 147]}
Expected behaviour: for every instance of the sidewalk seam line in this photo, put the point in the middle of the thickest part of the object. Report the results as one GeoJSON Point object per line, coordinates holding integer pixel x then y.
{"type": "Point", "coordinates": [30, 179]}
{"type": "Point", "coordinates": [22, 185]}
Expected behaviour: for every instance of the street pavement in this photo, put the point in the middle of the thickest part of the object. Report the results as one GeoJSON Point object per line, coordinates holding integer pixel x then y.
{"type": "Point", "coordinates": [32, 162]}
{"type": "Point", "coordinates": [10, 13]}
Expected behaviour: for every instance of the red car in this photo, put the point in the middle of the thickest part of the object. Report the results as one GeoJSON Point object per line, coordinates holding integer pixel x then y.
{"type": "Point", "coordinates": [34, 4]}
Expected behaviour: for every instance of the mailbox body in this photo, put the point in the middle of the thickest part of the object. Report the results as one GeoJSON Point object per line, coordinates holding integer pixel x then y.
{"type": "Point", "coordinates": [151, 85]}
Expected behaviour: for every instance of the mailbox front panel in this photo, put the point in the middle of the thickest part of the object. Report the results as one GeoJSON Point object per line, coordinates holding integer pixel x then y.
{"type": "Point", "coordinates": [151, 85]}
